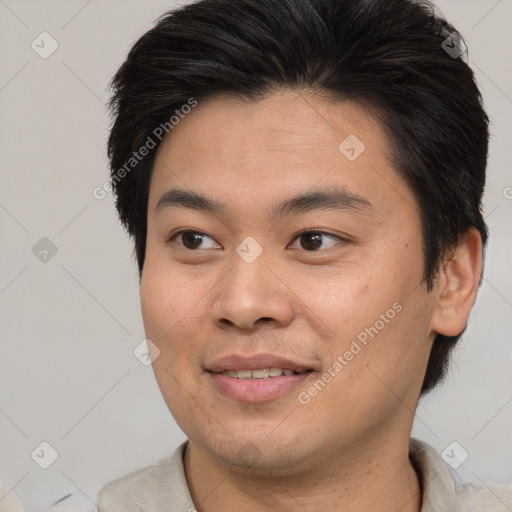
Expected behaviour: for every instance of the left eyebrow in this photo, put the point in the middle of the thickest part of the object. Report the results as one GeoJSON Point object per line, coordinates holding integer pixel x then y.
{"type": "Point", "coordinates": [331, 198]}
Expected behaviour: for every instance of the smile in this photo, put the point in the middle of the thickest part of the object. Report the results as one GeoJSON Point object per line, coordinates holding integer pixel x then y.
{"type": "Point", "coordinates": [264, 373]}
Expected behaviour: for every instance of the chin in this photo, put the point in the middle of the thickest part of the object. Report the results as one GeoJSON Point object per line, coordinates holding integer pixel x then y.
{"type": "Point", "coordinates": [255, 452]}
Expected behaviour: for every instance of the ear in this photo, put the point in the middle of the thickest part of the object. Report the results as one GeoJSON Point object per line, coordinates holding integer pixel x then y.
{"type": "Point", "coordinates": [457, 284]}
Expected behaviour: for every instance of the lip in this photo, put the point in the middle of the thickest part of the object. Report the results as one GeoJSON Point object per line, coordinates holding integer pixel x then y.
{"type": "Point", "coordinates": [235, 362]}
{"type": "Point", "coordinates": [257, 390]}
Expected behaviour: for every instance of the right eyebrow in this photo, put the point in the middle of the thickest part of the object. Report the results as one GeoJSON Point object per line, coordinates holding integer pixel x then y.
{"type": "Point", "coordinates": [178, 197]}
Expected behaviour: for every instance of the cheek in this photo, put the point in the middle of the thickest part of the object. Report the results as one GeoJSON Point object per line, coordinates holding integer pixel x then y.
{"type": "Point", "coordinates": [377, 320]}
{"type": "Point", "coordinates": [379, 368]}
{"type": "Point", "coordinates": [394, 350]}
{"type": "Point", "coordinates": [345, 301]}
{"type": "Point", "coordinates": [157, 297]}
{"type": "Point", "coordinates": [169, 311]}
{"type": "Point", "coordinates": [166, 295]}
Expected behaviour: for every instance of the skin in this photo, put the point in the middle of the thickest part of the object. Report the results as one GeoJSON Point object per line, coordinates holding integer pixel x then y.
{"type": "Point", "coordinates": [347, 448]}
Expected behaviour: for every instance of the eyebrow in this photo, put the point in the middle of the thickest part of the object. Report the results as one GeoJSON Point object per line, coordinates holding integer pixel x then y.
{"type": "Point", "coordinates": [332, 198]}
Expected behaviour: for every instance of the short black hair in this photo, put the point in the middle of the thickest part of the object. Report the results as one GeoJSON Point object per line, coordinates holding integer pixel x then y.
{"type": "Point", "coordinates": [399, 57]}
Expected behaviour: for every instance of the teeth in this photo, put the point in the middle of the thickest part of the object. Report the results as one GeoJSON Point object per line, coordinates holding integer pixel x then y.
{"type": "Point", "coordinates": [260, 374]}
{"type": "Point", "coordinates": [264, 373]}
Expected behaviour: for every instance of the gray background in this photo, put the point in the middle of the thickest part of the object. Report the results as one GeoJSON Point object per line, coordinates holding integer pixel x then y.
{"type": "Point", "coordinates": [68, 375]}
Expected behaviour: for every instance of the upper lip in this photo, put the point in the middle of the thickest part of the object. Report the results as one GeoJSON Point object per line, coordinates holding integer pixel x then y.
{"type": "Point", "coordinates": [235, 362]}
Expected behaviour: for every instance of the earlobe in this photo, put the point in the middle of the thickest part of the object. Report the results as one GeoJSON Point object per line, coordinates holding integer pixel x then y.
{"type": "Point", "coordinates": [457, 284]}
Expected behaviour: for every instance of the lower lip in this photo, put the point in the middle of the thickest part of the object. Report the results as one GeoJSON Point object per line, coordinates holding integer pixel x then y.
{"type": "Point", "coordinates": [257, 390]}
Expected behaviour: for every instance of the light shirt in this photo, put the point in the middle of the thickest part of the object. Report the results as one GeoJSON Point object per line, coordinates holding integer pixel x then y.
{"type": "Point", "coordinates": [163, 487]}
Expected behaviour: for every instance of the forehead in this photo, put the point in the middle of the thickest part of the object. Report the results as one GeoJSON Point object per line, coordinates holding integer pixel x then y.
{"type": "Point", "coordinates": [249, 153]}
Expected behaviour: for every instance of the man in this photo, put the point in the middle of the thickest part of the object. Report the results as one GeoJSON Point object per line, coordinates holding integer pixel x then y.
{"type": "Point", "coordinates": [303, 182]}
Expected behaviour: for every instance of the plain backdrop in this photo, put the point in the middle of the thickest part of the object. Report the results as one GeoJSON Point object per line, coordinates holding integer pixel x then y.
{"type": "Point", "coordinates": [70, 319]}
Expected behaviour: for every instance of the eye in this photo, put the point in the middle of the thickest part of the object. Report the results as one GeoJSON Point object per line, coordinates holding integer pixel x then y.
{"type": "Point", "coordinates": [192, 239]}
{"type": "Point", "coordinates": [313, 240]}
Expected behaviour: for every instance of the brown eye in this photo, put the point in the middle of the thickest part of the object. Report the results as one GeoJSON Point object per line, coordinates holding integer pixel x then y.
{"type": "Point", "coordinates": [315, 240]}
{"type": "Point", "coordinates": [192, 240]}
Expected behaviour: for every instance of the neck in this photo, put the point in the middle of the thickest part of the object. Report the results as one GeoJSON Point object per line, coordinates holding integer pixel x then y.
{"type": "Point", "coordinates": [377, 476]}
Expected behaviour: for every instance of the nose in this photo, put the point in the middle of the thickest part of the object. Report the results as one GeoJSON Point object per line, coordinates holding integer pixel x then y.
{"type": "Point", "coordinates": [252, 293]}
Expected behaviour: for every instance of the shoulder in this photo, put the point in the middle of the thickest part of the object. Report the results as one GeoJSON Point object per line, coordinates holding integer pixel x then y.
{"type": "Point", "coordinates": [441, 494]}
{"type": "Point", "coordinates": [148, 488]}
{"type": "Point", "coordinates": [124, 492]}
{"type": "Point", "coordinates": [10, 502]}
{"type": "Point", "coordinates": [491, 497]}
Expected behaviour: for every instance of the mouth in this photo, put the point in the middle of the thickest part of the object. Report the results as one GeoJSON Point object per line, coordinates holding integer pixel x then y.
{"type": "Point", "coordinates": [258, 378]}
{"type": "Point", "coordinates": [263, 373]}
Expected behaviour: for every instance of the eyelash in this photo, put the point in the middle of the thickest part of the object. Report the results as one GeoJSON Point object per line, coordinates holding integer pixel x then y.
{"type": "Point", "coordinates": [171, 239]}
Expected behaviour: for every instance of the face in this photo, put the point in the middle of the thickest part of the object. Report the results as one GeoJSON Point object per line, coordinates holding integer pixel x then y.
{"type": "Point", "coordinates": [303, 261]}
